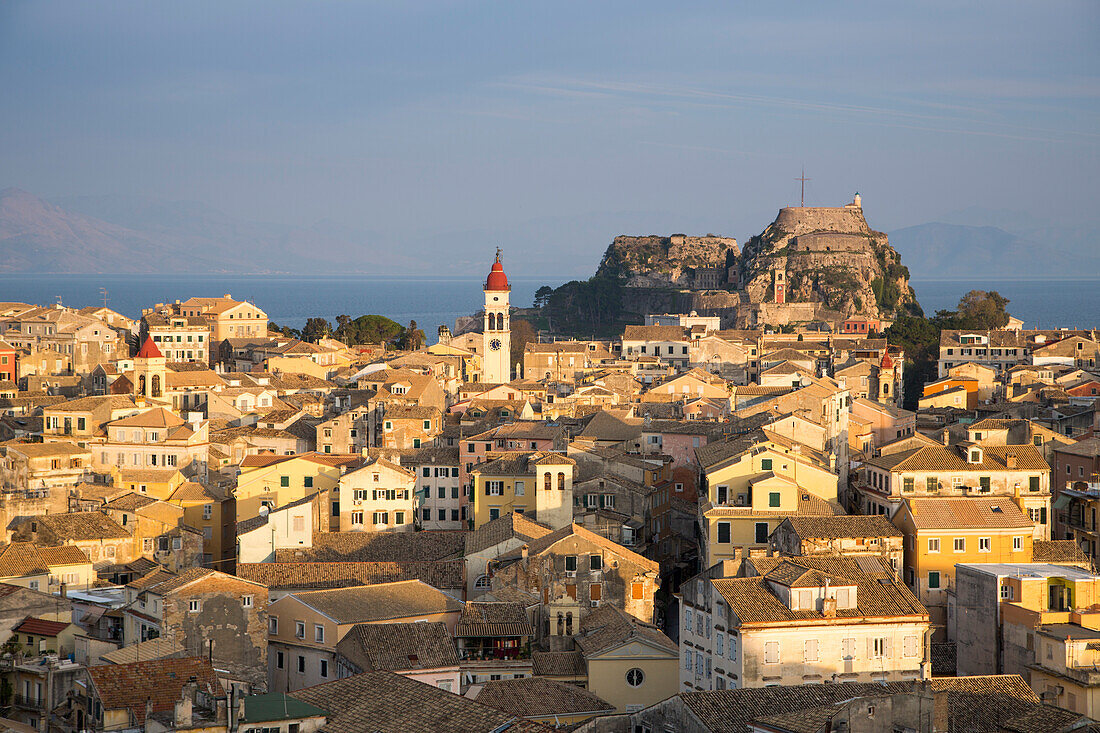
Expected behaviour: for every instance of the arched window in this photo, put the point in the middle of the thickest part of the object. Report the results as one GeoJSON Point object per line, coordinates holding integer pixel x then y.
{"type": "Point", "coordinates": [569, 623]}
{"type": "Point", "coordinates": [156, 385]}
{"type": "Point", "coordinates": [561, 481]}
{"type": "Point", "coordinates": [141, 384]}
{"type": "Point", "coordinates": [561, 623]}
{"type": "Point", "coordinates": [492, 321]}
{"type": "Point", "coordinates": [546, 481]}
{"type": "Point", "coordinates": [483, 583]}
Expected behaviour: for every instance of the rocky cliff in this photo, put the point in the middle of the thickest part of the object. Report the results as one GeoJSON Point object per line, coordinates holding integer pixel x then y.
{"type": "Point", "coordinates": [676, 261]}
{"type": "Point", "coordinates": [829, 255]}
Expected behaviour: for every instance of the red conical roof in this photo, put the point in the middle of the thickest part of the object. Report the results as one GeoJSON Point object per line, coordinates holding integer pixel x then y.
{"type": "Point", "coordinates": [149, 350]}
{"type": "Point", "coordinates": [497, 280]}
{"type": "Point", "coordinates": [887, 362]}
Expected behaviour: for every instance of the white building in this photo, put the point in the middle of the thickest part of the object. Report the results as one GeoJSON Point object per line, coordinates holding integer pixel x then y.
{"type": "Point", "coordinates": [289, 526]}
{"type": "Point", "coordinates": [379, 496]}
{"type": "Point", "coordinates": [804, 620]}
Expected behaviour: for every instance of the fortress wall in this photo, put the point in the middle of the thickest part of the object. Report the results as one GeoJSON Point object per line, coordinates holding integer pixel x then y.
{"type": "Point", "coordinates": [839, 219]}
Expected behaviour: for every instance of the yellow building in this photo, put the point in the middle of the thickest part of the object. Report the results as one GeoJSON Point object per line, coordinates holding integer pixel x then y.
{"type": "Point", "coordinates": [275, 481]}
{"type": "Point", "coordinates": [538, 484]}
{"type": "Point", "coordinates": [158, 483]}
{"type": "Point", "coordinates": [1038, 620]}
{"type": "Point", "coordinates": [944, 531]}
{"type": "Point", "coordinates": [212, 513]}
{"type": "Point", "coordinates": [631, 664]}
{"type": "Point", "coordinates": [750, 489]}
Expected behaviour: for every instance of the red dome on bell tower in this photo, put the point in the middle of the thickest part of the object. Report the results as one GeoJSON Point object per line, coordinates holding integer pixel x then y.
{"type": "Point", "coordinates": [497, 280]}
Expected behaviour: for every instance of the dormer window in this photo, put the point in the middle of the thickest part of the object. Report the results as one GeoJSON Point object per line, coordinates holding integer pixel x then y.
{"type": "Point", "coordinates": [975, 455]}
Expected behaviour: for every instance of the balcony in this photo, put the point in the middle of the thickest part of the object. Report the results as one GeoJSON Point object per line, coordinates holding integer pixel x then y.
{"type": "Point", "coordinates": [489, 652]}
{"type": "Point", "coordinates": [28, 703]}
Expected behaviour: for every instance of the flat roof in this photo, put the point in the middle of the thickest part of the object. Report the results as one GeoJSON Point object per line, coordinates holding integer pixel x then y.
{"type": "Point", "coordinates": [1029, 569]}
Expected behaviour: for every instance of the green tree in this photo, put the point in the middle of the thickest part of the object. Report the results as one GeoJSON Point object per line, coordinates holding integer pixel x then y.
{"type": "Point", "coordinates": [984, 310]}
{"type": "Point", "coordinates": [542, 296]}
{"type": "Point", "coordinates": [284, 330]}
{"type": "Point", "coordinates": [412, 338]}
{"type": "Point", "coordinates": [343, 322]}
{"type": "Point", "coordinates": [316, 329]}
{"type": "Point", "coordinates": [522, 334]}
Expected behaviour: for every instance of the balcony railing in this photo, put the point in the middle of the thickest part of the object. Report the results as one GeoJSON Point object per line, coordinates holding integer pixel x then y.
{"type": "Point", "coordinates": [29, 703]}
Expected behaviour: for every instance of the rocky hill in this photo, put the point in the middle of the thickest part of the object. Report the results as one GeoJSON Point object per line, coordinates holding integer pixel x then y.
{"type": "Point", "coordinates": [830, 256]}
{"type": "Point", "coordinates": [675, 261]}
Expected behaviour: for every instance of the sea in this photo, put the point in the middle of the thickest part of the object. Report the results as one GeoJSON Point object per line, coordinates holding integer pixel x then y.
{"type": "Point", "coordinates": [431, 301]}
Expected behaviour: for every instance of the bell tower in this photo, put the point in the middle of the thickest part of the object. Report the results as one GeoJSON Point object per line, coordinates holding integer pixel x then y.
{"type": "Point", "coordinates": [149, 371]}
{"type": "Point", "coordinates": [497, 332]}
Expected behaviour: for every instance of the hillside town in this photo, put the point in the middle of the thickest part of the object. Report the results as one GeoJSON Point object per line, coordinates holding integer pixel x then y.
{"type": "Point", "coordinates": [689, 526]}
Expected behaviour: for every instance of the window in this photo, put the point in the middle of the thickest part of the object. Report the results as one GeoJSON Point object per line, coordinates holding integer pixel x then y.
{"type": "Point", "coordinates": [907, 484]}
{"type": "Point", "coordinates": [1006, 592]}
{"type": "Point", "coordinates": [595, 562]}
{"type": "Point", "coordinates": [207, 511]}
{"type": "Point", "coordinates": [1017, 544]}
{"type": "Point", "coordinates": [880, 647]}
{"type": "Point", "coordinates": [848, 648]}
{"type": "Point", "coordinates": [773, 499]}
{"type": "Point", "coordinates": [308, 482]}
{"type": "Point", "coordinates": [761, 533]}
{"type": "Point", "coordinates": [246, 601]}
{"type": "Point", "coordinates": [931, 483]}
{"type": "Point", "coordinates": [766, 464]}
{"type": "Point", "coordinates": [809, 650]}
{"type": "Point", "coordinates": [324, 668]}
{"type": "Point", "coordinates": [933, 544]}
{"type": "Point", "coordinates": [494, 488]}
{"type": "Point", "coordinates": [357, 517]}
{"type": "Point", "coordinates": [300, 629]}
{"type": "Point", "coordinates": [724, 533]}
{"type": "Point", "coordinates": [570, 563]}
{"type": "Point", "coordinates": [273, 624]}
{"type": "Point", "coordinates": [983, 483]}
{"type": "Point", "coordinates": [984, 544]}
{"type": "Point", "coordinates": [301, 664]}
{"type": "Point", "coordinates": [399, 517]}
{"type": "Point", "coordinates": [909, 646]}
{"type": "Point", "coordinates": [687, 659]}
{"type": "Point", "coordinates": [960, 544]}
{"type": "Point", "coordinates": [284, 481]}
{"type": "Point", "coordinates": [1033, 483]}
{"type": "Point", "coordinates": [319, 633]}
{"type": "Point", "coordinates": [719, 644]}
{"type": "Point", "coordinates": [519, 488]}
{"type": "Point", "coordinates": [380, 518]}
{"type": "Point", "coordinates": [279, 661]}
{"type": "Point", "coordinates": [933, 580]}
{"type": "Point", "coordinates": [194, 606]}
{"type": "Point", "coordinates": [771, 652]}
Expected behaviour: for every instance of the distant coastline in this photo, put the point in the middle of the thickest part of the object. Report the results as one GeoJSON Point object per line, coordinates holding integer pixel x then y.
{"type": "Point", "coordinates": [291, 299]}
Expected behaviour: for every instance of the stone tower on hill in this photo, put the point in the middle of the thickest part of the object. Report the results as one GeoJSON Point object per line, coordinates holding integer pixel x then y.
{"type": "Point", "coordinates": [829, 256]}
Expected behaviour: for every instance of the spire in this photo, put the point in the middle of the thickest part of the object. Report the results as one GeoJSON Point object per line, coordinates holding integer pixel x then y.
{"type": "Point", "coordinates": [497, 280]}
{"type": "Point", "coordinates": [149, 350]}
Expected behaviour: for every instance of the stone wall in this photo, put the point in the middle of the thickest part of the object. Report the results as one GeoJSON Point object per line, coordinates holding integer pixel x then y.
{"type": "Point", "coordinates": [796, 220]}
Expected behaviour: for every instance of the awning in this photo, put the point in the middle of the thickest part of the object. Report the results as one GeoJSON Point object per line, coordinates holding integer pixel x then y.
{"type": "Point", "coordinates": [1061, 502]}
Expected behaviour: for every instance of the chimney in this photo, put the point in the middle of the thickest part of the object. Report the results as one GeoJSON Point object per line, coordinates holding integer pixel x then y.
{"type": "Point", "coordinates": [148, 713]}
{"type": "Point", "coordinates": [828, 607]}
{"type": "Point", "coordinates": [64, 591]}
{"type": "Point", "coordinates": [182, 714]}
{"type": "Point", "coordinates": [523, 551]}
{"type": "Point", "coordinates": [1011, 461]}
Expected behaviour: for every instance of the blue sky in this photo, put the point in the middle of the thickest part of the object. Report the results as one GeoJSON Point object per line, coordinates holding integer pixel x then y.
{"type": "Point", "coordinates": [478, 116]}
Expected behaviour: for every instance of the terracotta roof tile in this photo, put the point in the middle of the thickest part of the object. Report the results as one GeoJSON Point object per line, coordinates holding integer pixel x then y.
{"type": "Point", "coordinates": [493, 618]}
{"type": "Point", "coordinates": [128, 686]}
{"type": "Point", "coordinates": [441, 574]}
{"type": "Point", "coordinates": [399, 647]}
{"type": "Point", "coordinates": [538, 696]}
{"type": "Point", "coordinates": [390, 703]}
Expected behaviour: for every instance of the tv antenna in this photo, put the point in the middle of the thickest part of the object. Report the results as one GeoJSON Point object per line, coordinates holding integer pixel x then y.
{"type": "Point", "coordinates": [802, 200]}
{"type": "Point", "coordinates": [103, 293]}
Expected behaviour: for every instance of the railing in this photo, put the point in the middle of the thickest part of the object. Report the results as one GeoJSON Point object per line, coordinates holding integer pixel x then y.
{"type": "Point", "coordinates": [31, 703]}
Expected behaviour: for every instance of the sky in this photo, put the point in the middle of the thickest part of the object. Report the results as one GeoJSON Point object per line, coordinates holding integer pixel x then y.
{"type": "Point", "coordinates": [433, 117]}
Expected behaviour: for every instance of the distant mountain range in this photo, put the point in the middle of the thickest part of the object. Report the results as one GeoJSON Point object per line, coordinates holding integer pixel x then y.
{"type": "Point", "coordinates": [113, 234]}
